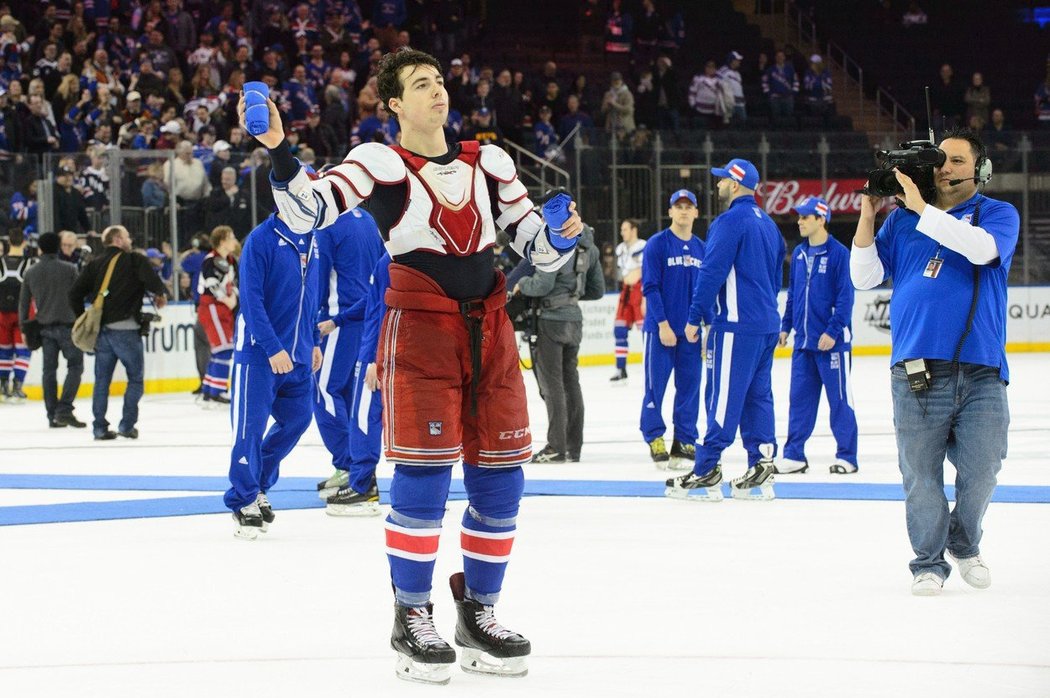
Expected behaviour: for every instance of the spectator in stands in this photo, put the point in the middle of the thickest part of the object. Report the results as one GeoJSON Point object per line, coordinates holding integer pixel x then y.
{"type": "Point", "coordinates": [320, 136]}
{"type": "Point", "coordinates": [298, 94]}
{"type": "Point", "coordinates": [238, 140]}
{"type": "Point", "coordinates": [583, 93]}
{"type": "Point", "coordinates": [506, 100]}
{"type": "Point", "coordinates": [221, 159]}
{"type": "Point", "coordinates": [552, 99]}
{"type": "Point", "coordinates": [93, 181]}
{"type": "Point", "coordinates": [482, 98]}
{"type": "Point", "coordinates": [732, 88]}
{"type": "Point", "coordinates": [573, 117]}
{"type": "Point", "coordinates": [335, 117]}
{"type": "Point", "coordinates": [182, 32]}
{"type": "Point", "coordinates": [914, 16]}
{"type": "Point", "coordinates": [447, 26]}
{"type": "Point", "coordinates": [169, 135]}
{"type": "Point", "coordinates": [947, 99]}
{"type": "Point", "coordinates": [665, 87]}
{"type": "Point", "coordinates": [36, 87]}
{"type": "Point", "coordinates": [482, 129]}
{"type": "Point", "coordinates": [70, 209]}
{"type": "Point", "coordinates": [98, 72]}
{"type": "Point", "coordinates": [645, 100]}
{"type": "Point", "coordinates": [148, 80]}
{"type": "Point", "coordinates": [176, 91]}
{"type": "Point", "coordinates": [672, 31]}
{"type": "Point", "coordinates": [40, 134]}
{"type": "Point", "coordinates": [816, 87]}
{"type": "Point", "coordinates": [12, 129]}
{"type": "Point", "coordinates": [780, 85]}
{"type": "Point", "coordinates": [318, 69]}
{"type": "Point", "coordinates": [647, 27]}
{"type": "Point", "coordinates": [154, 188]}
{"type": "Point", "coordinates": [368, 99]}
{"type": "Point", "coordinates": [618, 105]}
{"type": "Point", "coordinates": [146, 138]}
{"type": "Point", "coordinates": [161, 56]}
{"type": "Point", "coordinates": [1042, 101]}
{"type": "Point", "coordinates": [24, 209]}
{"type": "Point", "coordinates": [376, 129]}
{"type": "Point", "coordinates": [705, 98]}
{"type": "Point", "coordinates": [619, 29]}
{"type": "Point", "coordinates": [387, 18]}
{"type": "Point", "coordinates": [978, 100]}
{"type": "Point", "coordinates": [545, 137]}
{"type": "Point", "coordinates": [228, 204]}
{"type": "Point", "coordinates": [1001, 143]}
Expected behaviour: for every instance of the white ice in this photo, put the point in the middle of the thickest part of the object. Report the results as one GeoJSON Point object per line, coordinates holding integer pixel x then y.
{"type": "Point", "coordinates": [620, 596]}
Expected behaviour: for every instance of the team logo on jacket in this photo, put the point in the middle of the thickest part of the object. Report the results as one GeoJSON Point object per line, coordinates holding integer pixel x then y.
{"type": "Point", "coordinates": [823, 268]}
{"type": "Point", "coordinates": [435, 428]}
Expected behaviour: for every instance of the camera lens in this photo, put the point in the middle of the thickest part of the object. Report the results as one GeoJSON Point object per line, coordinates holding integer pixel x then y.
{"type": "Point", "coordinates": [883, 183]}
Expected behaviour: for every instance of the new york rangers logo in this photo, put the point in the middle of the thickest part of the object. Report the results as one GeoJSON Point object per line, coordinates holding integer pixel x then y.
{"type": "Point", "coordinates": [737, 172]}
{"type": "Point", "coordinates": [435, 428]}
{"type": "Point", "coordinates": [822, 210]}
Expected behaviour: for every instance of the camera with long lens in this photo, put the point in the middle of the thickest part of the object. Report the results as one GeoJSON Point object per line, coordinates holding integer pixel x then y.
{"type": "Point", "coordinates": [917, 159]}
{"type": "Point", "coordinates": [145, 320]}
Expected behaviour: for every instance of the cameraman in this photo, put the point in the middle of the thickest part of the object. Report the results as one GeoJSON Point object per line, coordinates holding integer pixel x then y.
{"type": "Point", "coordinates": [559, 332]}
{"type": "Point", "coordinates": [120, 338]}
{"type": "Point", "coordinates": [949, 370]}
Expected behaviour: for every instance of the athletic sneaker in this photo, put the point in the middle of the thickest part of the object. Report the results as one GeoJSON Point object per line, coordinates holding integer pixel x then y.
{"type": "Point", "coordinates": [658, 450]}
{"type": "Point", "coordinates": [973, 570]}
{"type": "Point", "coordinates": [926, 584]}
{"type": "Point", "coordinates": [841, 467]}
{"type": "Point", "coordinates": [548, 455]}
{"type": "Point", "coordinates": [787, 466]}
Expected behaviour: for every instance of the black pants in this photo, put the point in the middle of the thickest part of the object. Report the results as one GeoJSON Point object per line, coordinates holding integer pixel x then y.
{"type": "Point", "coordinates": [201, 348]}
{"type": "Point", "coordinates": [57, 339]}
{"type": "Point", "coordinates": [555, 363]}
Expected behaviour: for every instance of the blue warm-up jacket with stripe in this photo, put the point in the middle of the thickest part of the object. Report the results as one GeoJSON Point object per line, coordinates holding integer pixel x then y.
{"type": "Point", "coordinates": [669, 270]}
{"type": "Point", "coordinates": [736, 290]}
{"type": "Point", "coordinates": [348, 250]}
{"type": "Point", "coordinates": [820, 300]}
{"type": "Point", "coordinates": [278, 294]}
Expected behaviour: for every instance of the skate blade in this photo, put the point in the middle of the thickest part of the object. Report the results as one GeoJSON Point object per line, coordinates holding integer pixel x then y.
{"type": "Point", "coordinates": [701, 494]}
{"type": "Point", "coordinates": [246, 532]}
{"type": "Point", "coordinates": [408, 669]}
{"type": "Point", "coordinates": [353, 510]}
{"type": "Point", "coordinates": [762, 493]}
{"type": "Point", "coordinates": [475, 661]}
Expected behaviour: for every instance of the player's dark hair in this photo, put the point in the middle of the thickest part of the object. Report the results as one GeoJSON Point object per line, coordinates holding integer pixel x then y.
{"type": "Point", "coordinates": [48, 243]}
{"type": "Point", "coordinates": [970, 136]}
{"type": "Point", "coordinates": [388, 80]}
{"type": "Point", "coordinates": [634, 223]}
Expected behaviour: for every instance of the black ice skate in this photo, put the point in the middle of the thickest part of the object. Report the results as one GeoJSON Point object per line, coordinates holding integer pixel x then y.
{"type": "Point", "coordinates": [488, 647]}
{"type": "Point", "coordinates": [349, 502]}
{"type": "Point", "coordinates": [757, 482]}
{"type": "Point", "coordinates": [336, 481]}
{"type": "Point", "coordinates": [706, 488]}
{"type": "Point", "coordinates": [18, 396]}
{"type": "Point", "coordinates": [683, 456]}
{"type": "Point", "coordinates": [421, 653]}
{"type": "Point", "coordinates": [266, 511]}
{"type": "Point", "coordinates": [658, 452]}
{"type": "Point", "coordinates": [5, 390]}
{"type": "Point", "coordinates": [620, 377]}
{"type": "Point", "coordinates": [249, 522]}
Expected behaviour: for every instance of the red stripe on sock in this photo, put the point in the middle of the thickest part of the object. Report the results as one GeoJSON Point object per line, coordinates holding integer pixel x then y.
{"type": "Point", "coordinates": [496, 547]}
{"type": "Point", "coordinates": [421, 545]}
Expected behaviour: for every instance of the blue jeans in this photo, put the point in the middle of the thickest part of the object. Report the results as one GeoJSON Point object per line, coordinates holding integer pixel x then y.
{"type": "Point", "coordinates": [963, 415]}
{"type": "Point", "coordinates": [112, 346]}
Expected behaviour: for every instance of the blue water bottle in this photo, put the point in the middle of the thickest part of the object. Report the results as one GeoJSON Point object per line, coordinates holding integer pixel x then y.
{"type": "Point", "coordinates": [555, 214]}
{"type": "Point", "coordinates": [256, 110]}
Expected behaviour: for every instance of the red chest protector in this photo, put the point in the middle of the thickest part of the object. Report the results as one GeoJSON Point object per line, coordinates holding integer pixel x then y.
{"type": "Point", "coordinates": [454, 213]}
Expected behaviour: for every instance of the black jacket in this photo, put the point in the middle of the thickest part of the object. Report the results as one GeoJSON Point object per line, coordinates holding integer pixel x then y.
{"type": "Point", "coordinates": [70, 210]}
{"type": "Point", "coordinates": [133, 275]}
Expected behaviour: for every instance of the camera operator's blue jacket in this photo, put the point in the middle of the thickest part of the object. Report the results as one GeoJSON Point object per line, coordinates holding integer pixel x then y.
{"type": "Point", "coordinates": [820, 300]}
{"type": "Point", "coordinates": [737, 287]}
{"type": "Point", "coordinates": [278, 294]}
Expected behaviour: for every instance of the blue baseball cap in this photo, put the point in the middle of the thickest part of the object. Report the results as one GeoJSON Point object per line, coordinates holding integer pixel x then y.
{"type": "Point", "coordinates": [816, 206]}
{"type": "Point", "coordinates": [682, 194]}
{"type": "Point", "coordinates": [740, 171]}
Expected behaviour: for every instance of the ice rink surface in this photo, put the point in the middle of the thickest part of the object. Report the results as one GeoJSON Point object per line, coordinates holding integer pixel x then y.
{"type": "Point", "coordinates": [628, 594]}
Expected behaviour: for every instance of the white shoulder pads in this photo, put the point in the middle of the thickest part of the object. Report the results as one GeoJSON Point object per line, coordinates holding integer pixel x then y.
{"type": "Point", "coordinates": [497, 164]}
{"type": "Point", "coordinates": [381, 163]}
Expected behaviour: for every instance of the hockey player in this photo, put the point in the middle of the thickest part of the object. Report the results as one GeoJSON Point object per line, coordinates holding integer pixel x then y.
{"type": "Point", "coordinates": [217, 289]}
{"type": "Point", "coordinates": [14, 355]}
{"type": "Point", "coordinates": [819, 309]}
{"type": "Point", "coordinates": [629, 311]}
{"type": "Point", "coordinates": [275, 356]}
{"type": "Point", "coordinates": [736, 298]}
{"type": "Point", "coordinates": [348, 251]}
{"type": "Point", "coordinates": [447, 362]}
{"type": "Point", "coordinates": [672, 262]}
{"type": "Point", "coordinates": [360, 495]}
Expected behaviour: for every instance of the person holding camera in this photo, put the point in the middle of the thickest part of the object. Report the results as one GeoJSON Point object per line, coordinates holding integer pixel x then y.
{"type": "Point", "coordinates": [949, 259]}
{"type": "Point", "coordinates": [120, 337]}
{"type": "Point", "coordinates": [559, 330]}
{"type": "Point", "coordinates": [47, 285]}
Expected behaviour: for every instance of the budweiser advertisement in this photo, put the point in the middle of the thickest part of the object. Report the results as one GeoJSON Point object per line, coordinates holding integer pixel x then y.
{"type": "Point", "coordinates": [780, 197]}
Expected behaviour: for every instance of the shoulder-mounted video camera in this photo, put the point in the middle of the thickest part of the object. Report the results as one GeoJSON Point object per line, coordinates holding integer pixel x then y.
{"type": "Point", "coordinates": [917, 159]}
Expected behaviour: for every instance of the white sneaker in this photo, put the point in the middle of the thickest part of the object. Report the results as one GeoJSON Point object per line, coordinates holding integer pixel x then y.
{"type": "Point", "coordinates": [841, 467]}
{"type": "Point", "coordinates": [786, 466]}
{"type": "Point", "coordinates": [926, 584]}
{"type": "Point", "coordinates": [973, 570]}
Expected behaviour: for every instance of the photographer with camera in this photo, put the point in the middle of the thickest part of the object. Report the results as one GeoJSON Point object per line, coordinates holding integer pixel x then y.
{"type": "Point", "coordinates": [559, 330]}
{"type": "Point", "coordinates": [130, 277]}
{"type": "Point", "coordinates": [948, 250]}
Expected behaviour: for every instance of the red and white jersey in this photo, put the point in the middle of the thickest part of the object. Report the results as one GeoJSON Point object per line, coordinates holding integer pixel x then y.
{"type": "Point", "coordinates": [448, 209]}
{"type": "Point", "coordinates": [218, 277]}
